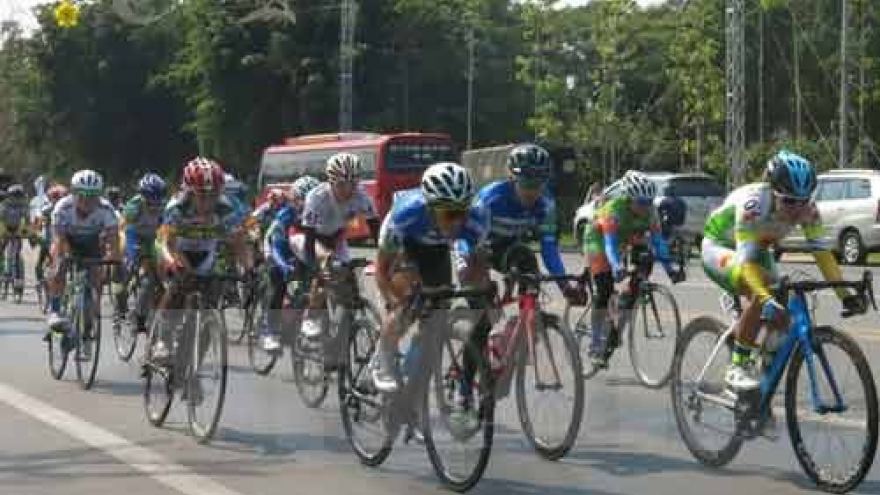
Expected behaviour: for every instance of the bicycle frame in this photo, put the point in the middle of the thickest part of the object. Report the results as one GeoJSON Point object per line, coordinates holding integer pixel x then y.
{"type": "Point", "coordinates": [800, 334]}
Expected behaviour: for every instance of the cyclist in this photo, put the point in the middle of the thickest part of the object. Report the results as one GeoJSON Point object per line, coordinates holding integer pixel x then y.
{"type": "Point", "coordinates": [519, 210]}
{"type": "Point", "coordinates": [282, 262]}
{"type": "Point", "coordinates": [13, 227]}
{"type": "Point", "coordinates": [195, 225]}
{"type": "Point", "coordinates": [258, 221]}
{"type": "Point", "coordinates": [84, 226]}
{"type": "Point", "coordinates": [414, 246]}
{"type": "Point", "coordinates": [736, 256]}
{"type": "Point", "coordinates": [327, 211]}
{"type": "Point", "coordinates": [114, 196]}
{"type": "Point", "coordinates": [621, 222]}
{"type": "Point", "coordinates": [44, 226]}
{"type": "Point", "coordinates": [141, 217]}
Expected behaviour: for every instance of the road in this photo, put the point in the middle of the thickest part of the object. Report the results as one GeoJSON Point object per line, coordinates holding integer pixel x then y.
{"type": "Point", "coordinates": [58, 439]}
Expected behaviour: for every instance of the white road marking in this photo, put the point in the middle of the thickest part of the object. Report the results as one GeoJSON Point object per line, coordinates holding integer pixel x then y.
{"type": "Point", "coordinates": [148, 462]}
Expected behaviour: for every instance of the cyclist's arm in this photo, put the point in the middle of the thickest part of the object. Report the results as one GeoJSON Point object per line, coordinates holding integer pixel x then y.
{"type": "Point", "coordinates": [659, 245]}
{"type": "Point", "coordinates": [549, 246]}
{"type": "Point", "coordinates": [389, 245]}
{"type": "Point", "coordinates": [608, 226]}
{"type": "Point", "coordinates": [814, 232]}
{"type": "Point", "coordinates": [748, 249]}
{"type": "Point", "coordinates": [166, 238]}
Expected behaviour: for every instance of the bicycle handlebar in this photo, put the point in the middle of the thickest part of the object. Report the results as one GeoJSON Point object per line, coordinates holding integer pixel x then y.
{"type": "Point", "coordinates": [515, 276]}
{"type": "Point", "coordinates": [864, 288]}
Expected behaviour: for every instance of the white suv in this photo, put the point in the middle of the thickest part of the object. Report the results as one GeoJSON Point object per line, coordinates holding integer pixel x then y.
{"type": "Point", "coordinates": [849, 202]}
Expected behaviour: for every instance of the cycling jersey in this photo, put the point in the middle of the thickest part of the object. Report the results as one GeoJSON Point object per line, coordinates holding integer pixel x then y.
{"type": "Point", "coordinates": [264, 215]}
{"type": "Point", "coordinates": [83, 233]}
{"type": "Point", "coordinates": [198, 238]}
{"type": "Point", "coordinates": [13, 214]}
{"type": "Point", "coordinates": [327, 216]}
{"type": "Point", "coordinates": [615, 226]}
{"type": "Point", "coordinates": [276, 244]}
{"type": "Point", "coordinates": [141, 223]}
{"type": "Point", "coordinates": [411, 221]}
{"type": "Point", "coordinates": [738, 234]}
{"type": "Point", "coordinates": [510, 222]}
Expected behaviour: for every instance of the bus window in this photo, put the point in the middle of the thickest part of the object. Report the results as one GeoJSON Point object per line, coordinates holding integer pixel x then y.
{"type": "Point", "coordinates": [410, 157]}
{"type": "Point", "coordinates": [287, 166]}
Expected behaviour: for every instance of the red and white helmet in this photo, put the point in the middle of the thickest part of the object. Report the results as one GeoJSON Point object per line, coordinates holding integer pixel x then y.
{"type": "Point", "coordinates": [275, 197]}
{"type": "Point", "coordinates": [204, 175]}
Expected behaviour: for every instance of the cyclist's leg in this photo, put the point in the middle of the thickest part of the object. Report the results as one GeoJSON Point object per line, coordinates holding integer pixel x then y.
{"type": "Point", "coordinates": [311, 323]}
{"type": "Point", "coordinates": [40, 266]}
{"type": "Point", "coordinates": [273, 301]}
{"type": "Point", "coordinates": [18, 264]}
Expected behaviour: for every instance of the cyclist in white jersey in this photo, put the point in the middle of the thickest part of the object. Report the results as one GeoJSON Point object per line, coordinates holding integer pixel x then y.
{"type": "Point", "coordinates": [83, 225]}
{"type": "Point", "coordinates": [328, 209]}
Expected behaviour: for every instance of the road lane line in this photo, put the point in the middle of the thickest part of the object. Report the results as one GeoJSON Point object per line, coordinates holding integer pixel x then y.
{"type": "Point", "coordinates": [148, 462]}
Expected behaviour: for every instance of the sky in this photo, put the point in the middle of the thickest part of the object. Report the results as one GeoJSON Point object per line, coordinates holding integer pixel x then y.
{"type": "Point", "coordinates": [19, 9]}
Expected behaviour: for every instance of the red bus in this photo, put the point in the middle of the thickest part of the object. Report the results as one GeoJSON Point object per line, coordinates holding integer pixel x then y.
{"type": "Point", "coordinates": [391, 162]}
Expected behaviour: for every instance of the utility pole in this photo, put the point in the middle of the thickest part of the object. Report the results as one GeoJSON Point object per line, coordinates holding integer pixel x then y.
{"type": "Point", "coordinates": [796, 46]}
{"type": "Point", "coordinates": [760, 75]}
{"type": "Point", "coordinates": [470, 87]}
{"type": "Point", "coordinates": [863, 40]}
{"type": "Point", "coordinates": [735, 82]}
{"type": "Point", "coordinates": [843, 157]}
{"type": "Point", "coordinates": [347, 23]}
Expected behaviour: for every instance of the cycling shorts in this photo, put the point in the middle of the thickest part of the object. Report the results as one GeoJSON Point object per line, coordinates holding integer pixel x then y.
{"type": "Point", "coordinates": [724, 267]}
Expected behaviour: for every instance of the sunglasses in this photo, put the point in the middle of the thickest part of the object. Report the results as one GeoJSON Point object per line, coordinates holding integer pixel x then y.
{"type": "Point", "coordinates": [792, 201]}
{"type": "Point", "coordinates": [450, 213]}
{"type": "Point", "coordinates": [530, 183]}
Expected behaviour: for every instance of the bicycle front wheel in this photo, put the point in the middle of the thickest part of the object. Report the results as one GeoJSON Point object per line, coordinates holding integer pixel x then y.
{"type": "Point", "coordinates": [458, 417]}
{"type": "Point", "coordinates": [88, 343]}
{"type": "Point", "coordinates": [261, 361]}
{"type": "Point", "coordinates": [706, 423]}
{"type": "Point", "coordinates": [208, 368]}
{"type": "Point", "coordinates": [554, 400]}
{"type": "Point", "coordinates": [158, 392]}
{"type": "Point", "coordinates": [834, 440]}
{"type": "Point", "coordinates": [360, 404]}
{"type": "Point", "coordinates": [125, 330]}
{"type": "Point", "coordinates": [653, 334]}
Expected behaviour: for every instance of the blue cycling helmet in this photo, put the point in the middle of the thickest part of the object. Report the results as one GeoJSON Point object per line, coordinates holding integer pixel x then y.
{"type": "Point", "coordinates": [529, 161]}
{"type": "Point", "coordinates": [791, 175]}
{"type": "Point", "coordinates": [152, 187]}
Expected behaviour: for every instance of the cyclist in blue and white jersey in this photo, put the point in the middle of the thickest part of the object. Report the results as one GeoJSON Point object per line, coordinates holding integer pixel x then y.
{"type": "Point", "coordinates": [414, 247]}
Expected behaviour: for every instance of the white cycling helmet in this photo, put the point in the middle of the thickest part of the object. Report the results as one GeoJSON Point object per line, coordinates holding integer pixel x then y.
{"type": "Point", "coordinates": [637, 184]}
{"type": "Point", "coordinates": [342, 167]}
{"type": "Point", "coordinates": [447, 182]}
{"type": "Point", "coordinates": [232, 185]}
{"type": "Point", "coordinates": [301, 187]}
{"type": "Point", "coordinates": [87, 183]}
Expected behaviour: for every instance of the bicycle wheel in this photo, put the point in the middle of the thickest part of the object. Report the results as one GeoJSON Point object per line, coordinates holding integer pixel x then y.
{"type": "Point", "coordinates": [653, 333]}
{"type": "Point", "coordinates": [206, 383]}
{"type": "Point", "coordinates": [850, 434]}
{"type": "Point", "coordinates": [577, 321]}
{"type": "Point", "coordinates": [557, 404]}
{"type": "Point", "coordinates": [125, 335]}
{"type": "Point", "coordinates": [360, 405]}
{"type": "Point", "coordinates": [58, 346]}
{"type": "Point", "coordinates": [261, 361]}
{"type": "Point", "coordinates": [158, 392]}
{"type": "Point", "coordinates": [88, 343]}
{"type": "Point", "coordinates": [695, 411]}
{"type": "Point", "coordinates": [240, 298]}
{"type": "Point", "coordinates": [309, 372]}
{"type": "Point", "coordinates": [458, 433]}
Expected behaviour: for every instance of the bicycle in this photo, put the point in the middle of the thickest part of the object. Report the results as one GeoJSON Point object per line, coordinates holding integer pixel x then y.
{"type": "Point", "coordinates": [747, 415]}
{"type": "Point", "coordinates": [13, 268]}
{"type": "Point", "coordinates": [654, 318]}
{"type": "Point", "coordinates": [80, 306]}
{"type": "Point", "coordinates": [315, 360]}
{"type": "Point", "coordinates": [431, 371]}
{"type": "Point", "coordinates": [525, 344]}
{"type": "Point", "coordinates": [200, 333]}
{"type": "Point", "coordinates": [126, 328]}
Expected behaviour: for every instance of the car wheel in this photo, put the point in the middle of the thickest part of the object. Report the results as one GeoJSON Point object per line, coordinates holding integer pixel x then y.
{"type": "Point", "coordinates": [852, 251]}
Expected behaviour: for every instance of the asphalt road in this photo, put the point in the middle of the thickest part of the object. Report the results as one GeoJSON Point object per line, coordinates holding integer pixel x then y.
{"type": "Point", "coordinates": [58, 439]}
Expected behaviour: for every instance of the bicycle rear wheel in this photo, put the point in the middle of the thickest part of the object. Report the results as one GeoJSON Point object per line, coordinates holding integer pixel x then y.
{"type": "Point", "coordinates": [58, 346]}
{"type": "Point", "coordinates": [558, 394]}
{"type": "Point", "coordinates": [851, 432]}
{"type": "Point", "coordinates": [158, 390]}
{"type": "Point", "coordinates": [653, 333]}
{"type": "Point", "coordinates": [208, 368]}
{"type": "Point", "coordinates": [695, 412]}
{"type": "Point", "coordinates": [88, 343]}
{"type": "Point", "coordinates": [261, 361]}
{"type": "Point", "coordinates": [309, 361]}
{"type": "Point", "coordinates": [360, 404]}
{"type": "Point", "coordinates": [125, 334]}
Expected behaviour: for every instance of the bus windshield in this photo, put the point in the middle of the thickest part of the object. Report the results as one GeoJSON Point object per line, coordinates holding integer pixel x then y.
{"type": "Point", "coordinates": [281, 166]}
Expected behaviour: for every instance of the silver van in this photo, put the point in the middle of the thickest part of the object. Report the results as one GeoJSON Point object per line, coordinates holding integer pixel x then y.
{"type": "Point", "coordinates": [849, 202]}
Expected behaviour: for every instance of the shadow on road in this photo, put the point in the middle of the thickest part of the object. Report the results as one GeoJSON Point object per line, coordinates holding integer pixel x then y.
{"type": "Point", "coordinates": [110, 387]}
{"type": "Point", "coordinates": [276, 443]}
{"type": "Point", "coordinates": [491, 485]}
